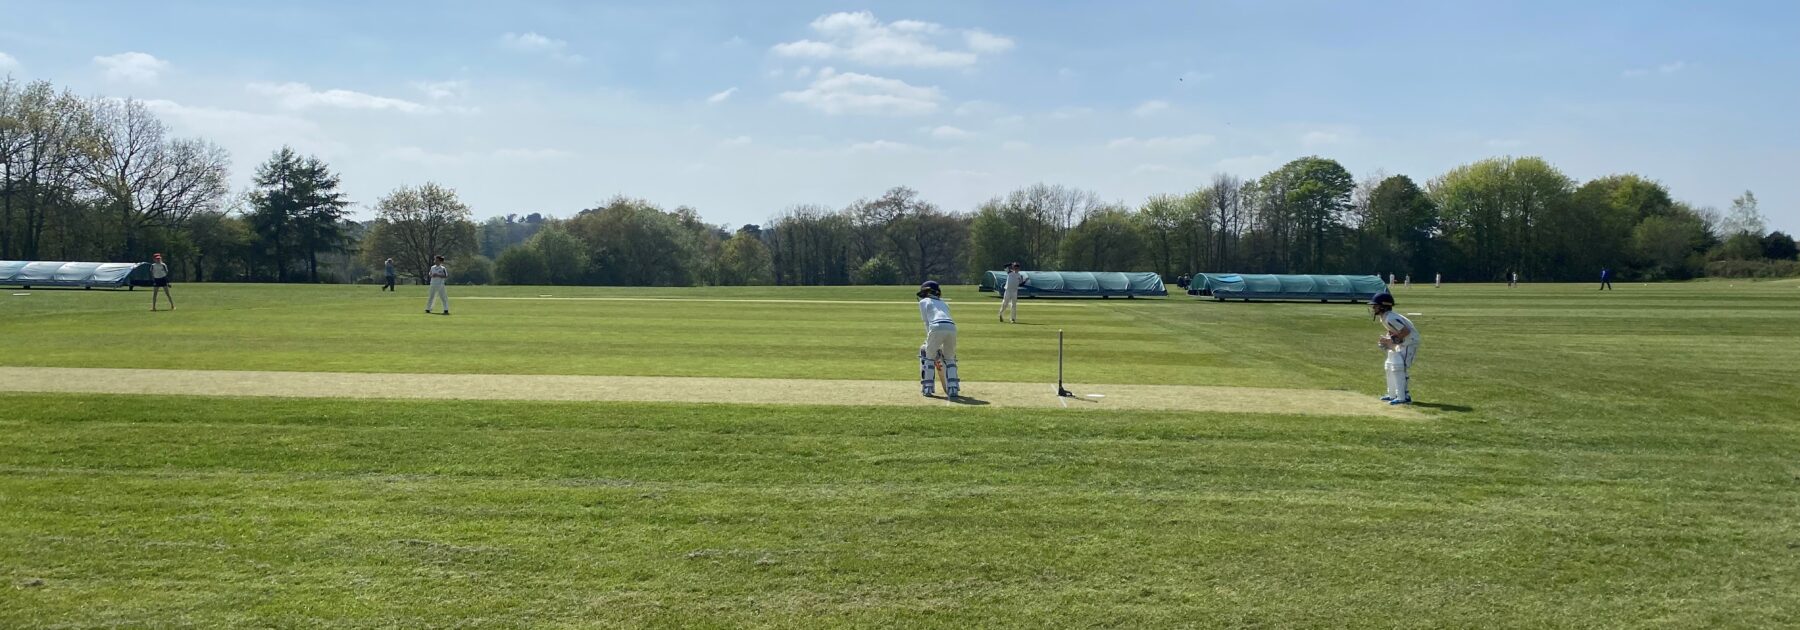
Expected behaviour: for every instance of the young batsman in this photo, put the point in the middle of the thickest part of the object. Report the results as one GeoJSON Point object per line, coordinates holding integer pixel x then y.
{"type": "Point", "coordinates": [159, 282]}
{"type": "Point", "coordinates": [1401, 341]}
{"type": "Point", "coordinates": [940, 342]}
{"type": "Point", "coordinates": [1009, 297]}
{"type": "Point", "coordinates": [439, 274]}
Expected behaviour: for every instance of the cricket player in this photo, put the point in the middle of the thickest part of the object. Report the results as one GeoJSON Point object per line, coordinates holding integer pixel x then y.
{"type": "Point", "coordinates": [1009, 297]}
{"type": "Point", "coordinates": [159, 281]}
{"type": "Point", "coordinates": [439, 274]}
{"type": "Point", "coordinates": [1605, 279]}
{"type": "Point", "coordinates": [940, 342]}
{"type": "Point", "coordinates": [1401, 341]}
{"type": "Point", "coordinates": [1437, 281]}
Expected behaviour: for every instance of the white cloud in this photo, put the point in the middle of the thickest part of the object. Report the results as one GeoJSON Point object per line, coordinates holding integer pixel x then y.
{"type": "Point", "coordinates": [721, 96]}
{"type": "Point", "coordinates": [947, 132]}
{"type": "Point", "coordinates": [441, 90]}
{"type": "Point", "coordinates": [132, 67]}
{"type": "Point", "coordinates": [246, 129]}
{"type": "Point", "coordinates": [835, 93]}
{"type": "Point", "coordinates": [880, 146]}
{"type": "Point", "coordinates": [8, 62]}
{"type": "Point", "coordinates": [977, 108]}
{"type": "Point", "coordinates": [1165, 143]}
{"type": "Point", "coordinates": [535, 44]}
{"type": "Point", "coordinates": [861, 38]}
{"type": "Point", "coordinates": [531, 154]}
{"type": "Point", "coordinates": [1664, 69]}
{"type": "Point", "coordinates": [735, 142]}
{"type": "Point", "coordinates": [1320, 137]}
{"type": "Point", "coordinates": [984, 42]}
{"type": "Point", "coordinates": [302, 96]}
{"type": "Point", "coordinates": [1150, 108]}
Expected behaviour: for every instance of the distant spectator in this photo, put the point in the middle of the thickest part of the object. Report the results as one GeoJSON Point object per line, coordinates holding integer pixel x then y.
{"type": "Point", "coordinates": [1605, 279]}
{"type": "Point", "coordinates": [388, 275]}
{"type": "Point", "coordinates": [1437, 281]}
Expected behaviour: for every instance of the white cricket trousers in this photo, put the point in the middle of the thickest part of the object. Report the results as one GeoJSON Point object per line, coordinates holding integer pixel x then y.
{"type": "Point", "coordinates": [1399, 361]}
{"type": "Point", "coordinates": [1010, 299]}
{"type": "Point", "coordinates": [437, 293]}
{"type": "Point", "coordinates": [940, 345]}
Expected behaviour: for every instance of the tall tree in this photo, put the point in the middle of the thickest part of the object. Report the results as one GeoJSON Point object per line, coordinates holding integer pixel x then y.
{"type": "Point", "coordinates": [1404, 219]}
{"type": "Point", "coordinates": [146, 180]}
{"type": "Point", "coordinates": [744, 260]}
{"type": "Point", "coordinates": [413, 225]}
{"type": "Point", "coordinates": [297, 211]}
{"type": "Point", "coordinates": [1106, 240]}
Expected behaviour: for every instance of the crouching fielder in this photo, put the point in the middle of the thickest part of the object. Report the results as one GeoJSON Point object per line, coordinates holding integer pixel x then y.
{"type": "Point", "coordinates": [1401, 342]}
{"type": "Point", "coordinates": [940, 342]}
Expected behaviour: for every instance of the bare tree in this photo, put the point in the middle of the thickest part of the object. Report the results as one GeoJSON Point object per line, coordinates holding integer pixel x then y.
{"type": "Point", "coordinates": [413, 225]}
{"type": "Point", "coordinates": [145, 179]}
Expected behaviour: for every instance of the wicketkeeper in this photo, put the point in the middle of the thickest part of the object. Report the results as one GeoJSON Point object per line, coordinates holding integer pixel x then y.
{"type": "Point", "coordinates": [940, 342]}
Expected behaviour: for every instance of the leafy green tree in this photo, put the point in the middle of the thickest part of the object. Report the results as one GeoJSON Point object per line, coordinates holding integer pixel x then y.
{"type": "Point", "coordinates": [414, 225]}
{"type": "Point", "coordinates": [1404, 219]}
{"type": "Point", "coordinates": [879, 270]}
{"type": "Point", "coordinates": [1665, 244]}
{"type": "Point", "coordinates": [1780, 246]}
{"type": "Point", "coordinates": [744, 260]}
{"type": "Point", "coordinates": [1744, 217]}
{"type": "Point", "coordinates": [1107, 240]}
{"type": "Point", "coordinates": [521, 264]}
{"type": "Point", "coordinates": [1491, 213]}
{"type": "Point", "coordinates": [633, 243]}
{"type": "Point", "coordinates": [564, 256]}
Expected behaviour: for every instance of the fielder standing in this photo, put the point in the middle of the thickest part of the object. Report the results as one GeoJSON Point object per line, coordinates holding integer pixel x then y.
{"type": "Point", "coordinates": [1401, 341]}
{"type": "Point", "coordinates": [439, 274]}
{"type": "Point", "coordinates": [159, 281]}
{"type": "Point", "coordinates": [940, 342]}
{"type": "Point", "coordinates": [1009, 297]}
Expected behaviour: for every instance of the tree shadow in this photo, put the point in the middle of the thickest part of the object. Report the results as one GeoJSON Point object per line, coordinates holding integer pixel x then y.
{"type": "Point", "coordinates": [1444, 407]}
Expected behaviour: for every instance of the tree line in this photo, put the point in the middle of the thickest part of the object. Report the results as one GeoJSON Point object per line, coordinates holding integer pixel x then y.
{"type": "Point", "coordinates": [101, 179]}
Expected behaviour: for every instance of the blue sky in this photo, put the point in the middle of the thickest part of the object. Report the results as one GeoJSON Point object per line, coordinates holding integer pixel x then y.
{"type": "Point", "coordinates": [741, 109]}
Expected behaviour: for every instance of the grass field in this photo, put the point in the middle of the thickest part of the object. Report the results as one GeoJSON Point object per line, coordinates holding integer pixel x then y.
{"type": "Point", "coordinates": [1583, 459]}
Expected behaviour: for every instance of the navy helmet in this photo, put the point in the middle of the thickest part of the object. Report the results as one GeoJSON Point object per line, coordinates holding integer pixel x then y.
{"type": "Point", "coordinates": [930, 287]}
{"type": "Point", "coordinates": [1384, 298]}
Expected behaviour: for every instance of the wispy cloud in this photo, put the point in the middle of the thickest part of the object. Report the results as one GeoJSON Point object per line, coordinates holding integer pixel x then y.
{"type": "Point", "coordinates": [131, 67]}
{"type": "Point", "coordinates": [8, 62]}
{"type": "Point", "coordinates": [722, 96]}
{"type": "Point", "coordinates": [947, 132]}
{"type": "Point", "coordinates": [535, 44]}
{"type": "Point", "coordinates": [861, 38]}
{"type": "Point", "coordinates": [881, 146]}
{"type": "Point", "coordinates": [442, 90]}
{"type": "Point", "coordinates": [1165, 143]}
{"type": "Point", "coordinates": [834, 93]}
{"type": "Point", "coordinates": [1664, 69]}
{"type": "Point", "coordinates": [735, 142]}
{"type": "Point", "coordinates": [301, 96]}
{"type": "Point", "coordinates": [1150, 108]}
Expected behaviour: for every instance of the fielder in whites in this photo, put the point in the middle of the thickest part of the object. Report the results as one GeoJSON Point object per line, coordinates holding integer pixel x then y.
{"type": "Point", "coordinates": [1009, 297]}
{"type": "Point", "coordinates": [439, 274]}
{"type": "Point", "coordinates": [1401, 341]}
{"type": "Point", "coordinates": [940, 342]}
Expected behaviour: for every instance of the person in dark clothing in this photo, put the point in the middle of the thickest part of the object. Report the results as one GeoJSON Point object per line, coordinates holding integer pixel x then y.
{"type": "Point", "coordinates": [1605, 279]}
{"type": "Point", "coordinates": [388, 276]}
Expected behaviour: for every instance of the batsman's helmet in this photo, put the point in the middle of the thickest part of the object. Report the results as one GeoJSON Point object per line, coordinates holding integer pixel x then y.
{"type": "Point", "coordinates": [930, 287]}
{"type": "Point", "coordinates": [1384, 299]}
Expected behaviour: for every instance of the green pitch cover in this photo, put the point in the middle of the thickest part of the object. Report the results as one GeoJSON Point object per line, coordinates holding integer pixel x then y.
{"type": "Point", "coordinates": [1248, 287]}
{"type": "Point", "coordinates": [1102, 284]}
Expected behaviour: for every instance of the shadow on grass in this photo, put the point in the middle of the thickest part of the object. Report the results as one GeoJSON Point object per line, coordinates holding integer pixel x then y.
{"type": "Point", "coordinates": [965, 400]}
{"type": "Point", "coordinates": [1444, 407]}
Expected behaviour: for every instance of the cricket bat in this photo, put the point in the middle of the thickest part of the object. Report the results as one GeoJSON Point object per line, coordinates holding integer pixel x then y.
{"type": "Point", "coordinates": [943, 381]}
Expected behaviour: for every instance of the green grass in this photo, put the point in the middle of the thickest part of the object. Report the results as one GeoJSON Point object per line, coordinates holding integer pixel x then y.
{"type": "Point", "coordinates": [1618, 459]}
